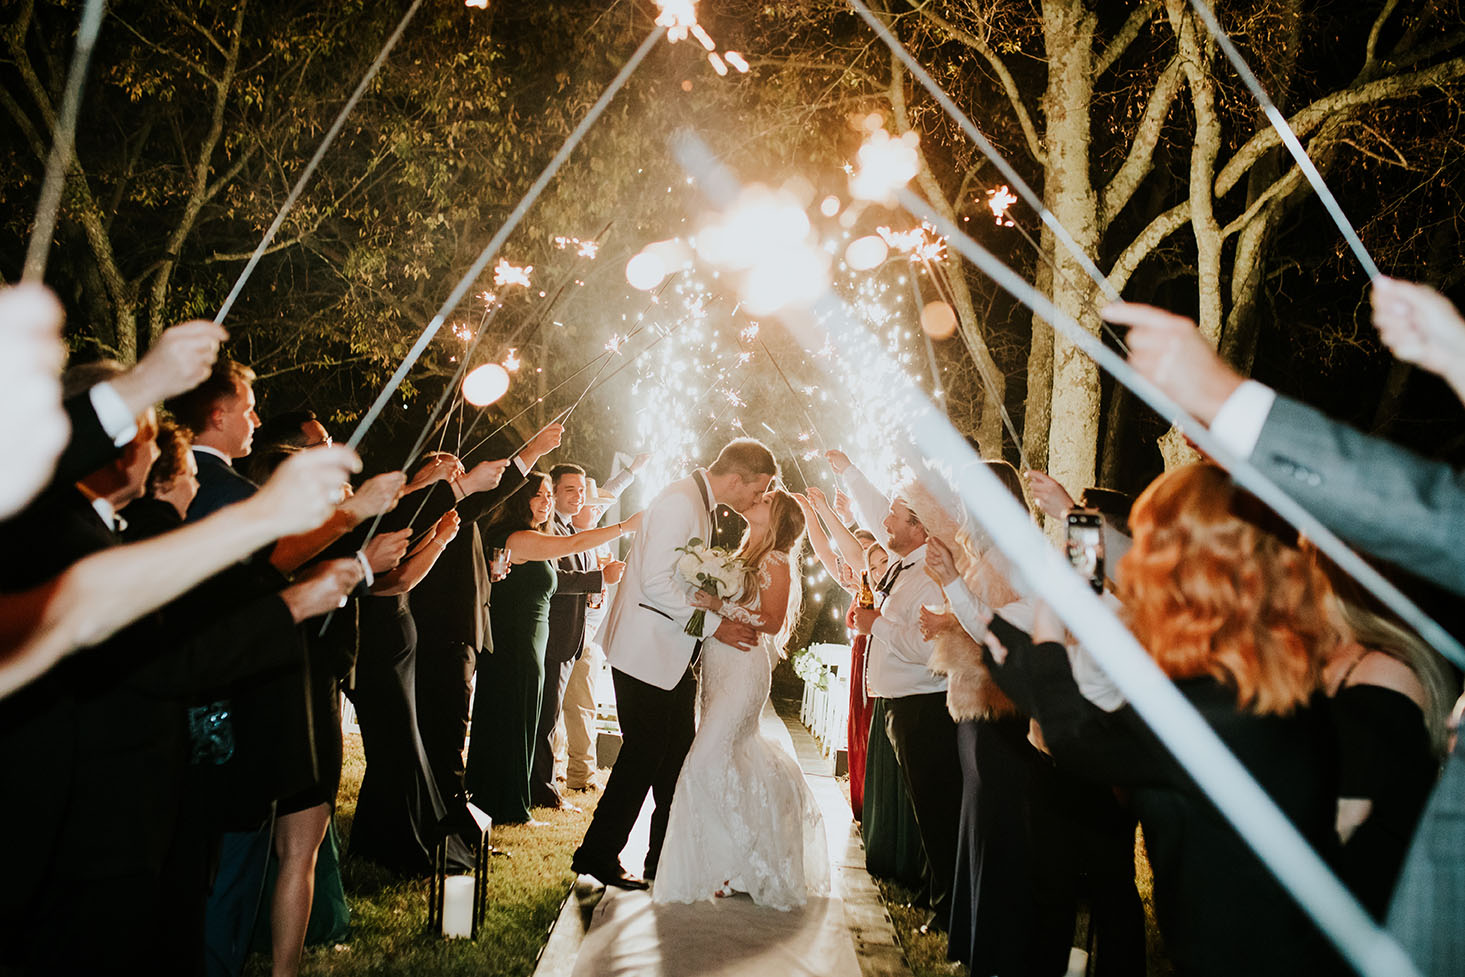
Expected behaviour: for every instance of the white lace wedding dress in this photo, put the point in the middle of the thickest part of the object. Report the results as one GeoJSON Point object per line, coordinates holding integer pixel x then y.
{"type": "Point", "coordinates": [743, 818]}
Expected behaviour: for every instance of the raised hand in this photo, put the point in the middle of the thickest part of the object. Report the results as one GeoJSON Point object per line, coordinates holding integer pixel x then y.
{"type": "Point", "coordinates": [613, 571]}
{"type": "Point", "coordinates": [1422, 327]}
{"type": "Point", "coordinates": [838, 460]}
{"type": "Point", "coordinates": [385, 550]}
{"type": "Point", "coordinates": [940, 561]}
{"type": "Point", "coordinates": [323, 589]}
{"type": "Point", "coordinates": [305, 489]}
{"type": "Point", "coordinates": [639, 462]}
{"type": "Point", "coordinates": [436, 466]}
{"type": "Point", "coordinates": [818, 498]}
{"type": "Point", "coordinates": [545, 440]}
{"type": "Point", "coordinates": [843, 508]}
{"type": "Point", "coordinates": [180, 360]}
{"type": "Point", "coordinates": [633, 524]}
{"type": "Point", "coordinates": [376, 495]}
{"type": "Point", "coordinates": [1053, 499]}
{"type": "Point", "coordinates": [446, 528]}
{"type": "Point", "coordinates": [1169, 350]}
{"type": "Point", "coordinates": [31, 357]}
{"type": "Point", "coordinates": [483, 476]}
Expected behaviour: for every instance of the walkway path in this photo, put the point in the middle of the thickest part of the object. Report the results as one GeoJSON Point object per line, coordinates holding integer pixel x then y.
{"type": "Point", "coordinates": [613, 933]}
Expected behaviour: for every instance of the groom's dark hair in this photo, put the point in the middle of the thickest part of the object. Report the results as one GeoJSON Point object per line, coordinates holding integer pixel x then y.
{"type": "Point", "coordinates": [747, 458]}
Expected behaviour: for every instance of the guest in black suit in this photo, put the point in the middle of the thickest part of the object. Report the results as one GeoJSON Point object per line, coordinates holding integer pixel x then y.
{"type": "Point", "coordinates": [450, 609]}
{"type": "Point", "coordinates": [578, 577]}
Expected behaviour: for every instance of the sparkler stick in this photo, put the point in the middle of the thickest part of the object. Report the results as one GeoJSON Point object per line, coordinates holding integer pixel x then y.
{"type": "Point", "coordinates": [320, 152]}
{"type": "Point", "coordinates": [988, 150]}
{"type": "Point", "coordinates": [823, 445]}
{"type": "Point", "coordinates": [1289, 139]}
{"type": "Point", "coordinates": [1245, 474]}
{"type": "Point", "coordinates": [518, 340]}
{"type": "Point", "coordinates": [1177, 724]}
{"type": "Point", "coordinates": [63, 142]}
{"type": "Point", "coordinates": [491, 249]}
{"type": "Point", "coordinates": [789, 447]}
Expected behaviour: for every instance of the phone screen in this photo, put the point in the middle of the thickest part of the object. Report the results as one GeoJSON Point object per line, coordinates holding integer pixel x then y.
{"type": "Point", "coordinates": [1085, 545]}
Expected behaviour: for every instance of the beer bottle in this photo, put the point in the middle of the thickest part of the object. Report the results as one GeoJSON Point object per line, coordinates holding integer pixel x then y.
{"type": "Point", "coordinates": [866, 596]}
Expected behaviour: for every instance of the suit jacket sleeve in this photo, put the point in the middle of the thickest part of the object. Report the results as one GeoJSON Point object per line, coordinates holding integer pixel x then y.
{"type": "Point", "coordinates": [1383, 498]}
{"type": "Point", "coordinates": [482, 506]}
{"type": "Point", "coordinates": [669, 523]}
{"type": "Point", "coordinates": [579, 581]}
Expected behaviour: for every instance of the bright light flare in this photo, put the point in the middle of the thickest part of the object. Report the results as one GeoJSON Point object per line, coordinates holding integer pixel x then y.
{"type": "Point", "coordinates": [866, 252]}
{"type": "Point", "coordinates": [615, 343]}
{"type": "Point", "coordinates": [766, 236]}
{"type": "Point", "coordinates": [737, 61]}
{"type": "Point", "coordinates": [485, 385]}
{"type": "Point", "coordinates": [749, 332]}
{"type": "Point", "coordinates": [646, 270]}
{"type": "Point", "coordinates": [938, 320]}
{"type": "Point", "coordinates": [512, 361]}
{"type": "Point", "coordinates": [885, 165]}
{"type": "Point", "coordinates": [505, 274]}
{"type": "Point", "coordinates": [921, 243]}
{"type": "Point", "coordinates": [999, 199]}
{"type": "Point", "coordinates": [478, 4]}
{"type": "Point", "coordinates": [678, 17]}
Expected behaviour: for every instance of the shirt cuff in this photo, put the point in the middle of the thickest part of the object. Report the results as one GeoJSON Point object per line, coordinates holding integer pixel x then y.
{"type": "Point", "coordinates": [519, 464]}
{"type": "Point", "coordinates": [1238, 424]}
{"type": "Point", "coordinates": [113, 414]}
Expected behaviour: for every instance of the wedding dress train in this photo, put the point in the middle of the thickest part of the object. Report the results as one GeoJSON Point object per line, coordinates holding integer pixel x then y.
{"type": "Point", "coordinates": [742, 818]}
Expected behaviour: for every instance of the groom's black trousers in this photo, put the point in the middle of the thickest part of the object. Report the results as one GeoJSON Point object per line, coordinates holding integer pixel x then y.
{"type": "Point", "coordinates": [657, 726]}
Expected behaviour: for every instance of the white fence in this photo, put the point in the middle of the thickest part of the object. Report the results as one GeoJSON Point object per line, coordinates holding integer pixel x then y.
{"type": "Point", "coordinates": [825, 708]}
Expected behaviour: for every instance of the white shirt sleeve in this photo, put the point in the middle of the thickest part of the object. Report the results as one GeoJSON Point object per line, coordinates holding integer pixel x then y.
{"type": "Point", "coordinates": [970, 613]}
{"type": "Point", "coordinates": [899, 623]}
{"type": "Point", "coordinates": [1238, 424]}
{"type": "Point", "coordinates": [870, 504]}
{"type": "Point", "coordinates": [519, 464]}
{"type": "Point", "coordinates": [112, 412]}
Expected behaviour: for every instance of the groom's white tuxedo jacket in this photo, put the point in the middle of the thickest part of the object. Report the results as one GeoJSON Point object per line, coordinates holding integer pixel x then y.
{"type": "Point", "coordinates": [644, 632]}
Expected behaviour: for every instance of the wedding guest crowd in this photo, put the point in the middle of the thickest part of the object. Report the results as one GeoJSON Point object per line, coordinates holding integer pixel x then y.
{"type": "Point", "coordinates": [1334, 706]}
{"type": "Point", "coordinates": [190, 591]}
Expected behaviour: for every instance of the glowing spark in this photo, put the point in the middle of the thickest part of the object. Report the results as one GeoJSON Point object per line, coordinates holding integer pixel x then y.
{"type": "Point", "coordinates": [511, 361]}
{"type": "Point", "coordinates": [507, 274]}
{"type": "Point", "coordinates": [921, 243]}
{"type": "Point", "coordinates": [480, 4]}
{"type": "Point", "coordinates": [585, 249]}
{"type": "Point", "coordinates": [485, 385]}
{"type": "Point", "coordinates": [717, 63]}
{"type": "Point", "coordinates": [615, 344]}
{"type": "Point", "coordinates": [744, 357]}
{"type": "Point", "coordinates": [749, 332]}
{"type": "Point", "coordinates": [463, 331]}
{"type": "Point", "coordinates": [736, 60]}
{"type": "Point", "coordinates": [678, 17]}
{"type": "Point", "coordinates": [885, 165]}
{"type": "Point", "coordinates": [999, 199]}
{"type": "Point", "coordinates": [488, 297]}
{"type": "Point", "coordinates": [803, 436]}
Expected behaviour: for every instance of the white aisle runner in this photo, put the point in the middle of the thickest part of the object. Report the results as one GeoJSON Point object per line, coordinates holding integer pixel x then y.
{"type": "Point", "coordinates": [629, 935]}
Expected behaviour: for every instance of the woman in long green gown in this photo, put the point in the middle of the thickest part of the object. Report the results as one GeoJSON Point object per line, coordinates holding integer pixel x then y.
{"type": "Point", "coordinates": [511, 677]}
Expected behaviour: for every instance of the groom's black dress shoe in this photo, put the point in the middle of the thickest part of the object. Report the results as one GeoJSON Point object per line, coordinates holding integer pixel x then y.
{"type": "Point", "coordinates": [608, 873]}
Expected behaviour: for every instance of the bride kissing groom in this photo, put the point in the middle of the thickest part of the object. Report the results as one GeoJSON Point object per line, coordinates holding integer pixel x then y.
{"type": "Point", "coordinates": [743, 818]}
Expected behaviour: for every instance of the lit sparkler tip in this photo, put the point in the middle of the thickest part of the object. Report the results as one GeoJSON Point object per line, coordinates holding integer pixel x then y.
{"type": "Point", "coordinates": [885, 165]}
{"type": "Point", "coordinates": [999, 199]}
{"type": "Point", "coordinates": [678, 17]}
{"type": "Point", "coordinates": [615, 343]}
{"type": "Point", "coordinates": [736, 60]}
{"type": "Point", "coordinates": [479, 4]}
{"type": "Point", "coordinates": [749, 332]}
{"type": "Point", "coordinates": [511, 360]}
{"type": "Point", "coordinates": [505, 274]}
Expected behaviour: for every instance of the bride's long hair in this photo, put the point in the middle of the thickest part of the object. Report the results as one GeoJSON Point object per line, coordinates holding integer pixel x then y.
{"type": "Point", "coordinates": [786, 535]}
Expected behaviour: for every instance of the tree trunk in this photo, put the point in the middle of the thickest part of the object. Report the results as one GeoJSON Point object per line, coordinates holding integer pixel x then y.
{"type": "Point", "coordinates": [1038, 410]}
{"type": "Point", "coordinates": [1069, 191]}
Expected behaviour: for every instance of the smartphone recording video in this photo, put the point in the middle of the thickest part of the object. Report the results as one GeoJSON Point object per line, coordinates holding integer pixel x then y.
{"type": "Point", "coordinates": [1085, 545]}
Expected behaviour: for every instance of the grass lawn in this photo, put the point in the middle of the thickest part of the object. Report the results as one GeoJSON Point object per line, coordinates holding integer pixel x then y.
{"type": "Point", "coordinates": [389, 915]}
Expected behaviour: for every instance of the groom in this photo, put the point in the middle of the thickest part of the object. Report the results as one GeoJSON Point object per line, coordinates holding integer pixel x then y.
{"type": "Point", "coordinates": [651, 655]}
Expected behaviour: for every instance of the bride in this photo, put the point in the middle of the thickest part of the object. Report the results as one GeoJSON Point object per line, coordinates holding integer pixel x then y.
{"type": "Point", "coordinates": [742, 818]}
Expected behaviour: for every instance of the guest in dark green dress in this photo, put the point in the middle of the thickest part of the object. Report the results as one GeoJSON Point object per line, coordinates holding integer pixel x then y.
{"type": "Point", "coordinates": [511, 677]}
{"type": "Point", "coordinates": [888, 825]}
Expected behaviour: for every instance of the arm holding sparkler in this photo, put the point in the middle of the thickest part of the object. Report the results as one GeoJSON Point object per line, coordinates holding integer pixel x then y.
{"type": "Point", "coordinates": [531, 544]}
{"type": "Point", "coordinates": [870, 504]}
{"type": "Point", "coordinates": [409, 572]}
{"type": "Point", "coordinates": [1422, 327]}
{"type": "Point", "coordinates": [850, 548]}
{"type": "Point", "coordinates": [819, 539]}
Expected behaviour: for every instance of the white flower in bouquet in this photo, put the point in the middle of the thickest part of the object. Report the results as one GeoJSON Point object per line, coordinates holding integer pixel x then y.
{"type": "Point", "coordinates": [711, 569]}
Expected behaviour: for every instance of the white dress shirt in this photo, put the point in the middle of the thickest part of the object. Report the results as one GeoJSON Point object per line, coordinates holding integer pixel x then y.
{"type": "Point", "coordinates": [112, 413]}
{"type": "Point", "coordinates": [1238, 424]}
{"type": "Point", "coordinates": [897, 657]}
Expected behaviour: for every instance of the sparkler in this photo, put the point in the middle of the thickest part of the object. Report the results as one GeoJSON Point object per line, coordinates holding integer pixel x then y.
{"type": "Point", "coordinates": [511, 360]}
{"type": "Point", "coordinates": [765, 237]}
{"type": "Point", "coordinates": [1177, 724]}
{"type": "Point", "coordinates": [505, 274]}
{"type": "Point", "coordinates": [63, 142]}
{"type": "Point", "coordinates": [982, 143]}
{"type": "Point", "coordinates": [320, 152]}
{"type": "Point", "coordinates": [491, 249]}
{"type": "Point", "coordinates": [921, 242]}
{"type": "Point", "coordinates": [679, 17]}
{"type": "Point", "coordinates": [1289, 139]}
{"type": "Point", "coordinates": [998, 200]}
{"type": "Point", "coordinates": [884, 165]}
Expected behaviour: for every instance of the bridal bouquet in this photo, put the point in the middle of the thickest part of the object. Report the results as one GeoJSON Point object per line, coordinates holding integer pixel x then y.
{"type": "Point", "coordinates": [709, 568]}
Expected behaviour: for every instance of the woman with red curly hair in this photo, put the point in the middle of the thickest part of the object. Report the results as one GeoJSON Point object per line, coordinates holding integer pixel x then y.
{"type": "Point", "coordinates": [1233, 612]}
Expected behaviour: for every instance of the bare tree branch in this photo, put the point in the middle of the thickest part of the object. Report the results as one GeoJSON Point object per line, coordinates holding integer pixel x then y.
{"type": "Point", "coordinates": [1125, 36]}
{"type": "Point", "coordinates": [1140, 159]}
{"type": "Point", "coordinates": [1147, 241]}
